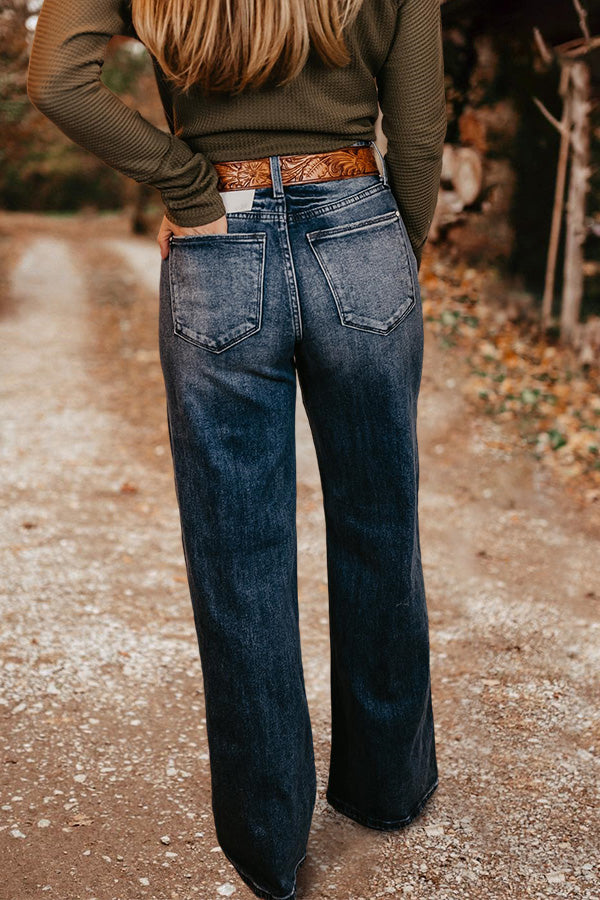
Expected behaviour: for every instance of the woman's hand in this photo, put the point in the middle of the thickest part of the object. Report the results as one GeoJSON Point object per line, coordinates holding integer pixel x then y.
{"type": "Point", "coordinates": [167, 228]}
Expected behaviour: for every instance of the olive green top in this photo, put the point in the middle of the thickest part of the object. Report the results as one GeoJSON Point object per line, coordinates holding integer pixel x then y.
{"type": "Point", "coordinates": [397, 59]}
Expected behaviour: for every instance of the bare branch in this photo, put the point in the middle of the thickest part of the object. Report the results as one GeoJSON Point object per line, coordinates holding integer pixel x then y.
{"type": "Point", "coordinates": [545, 52]}
{"type": "Point", "coordinates": [577, 47]}
{"type": "Point", "coordinates": [582, 16]}
{"type": "Point", "coordinates": [553, 121]}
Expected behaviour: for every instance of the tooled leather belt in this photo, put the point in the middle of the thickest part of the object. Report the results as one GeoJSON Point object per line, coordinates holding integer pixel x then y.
{"type": "Point", "coordinates": [346, 162]}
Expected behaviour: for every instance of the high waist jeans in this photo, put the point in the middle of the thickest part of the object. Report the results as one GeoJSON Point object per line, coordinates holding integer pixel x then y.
{"type": "Point", "coordinates": [320, 281]}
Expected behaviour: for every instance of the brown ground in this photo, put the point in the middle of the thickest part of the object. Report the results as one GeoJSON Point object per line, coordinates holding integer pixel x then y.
{"type": "Point", "coordinates": [102, 745]}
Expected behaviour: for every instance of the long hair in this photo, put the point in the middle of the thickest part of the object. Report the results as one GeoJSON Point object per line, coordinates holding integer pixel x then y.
{"type": "Point", "coordinates": [228, 45]}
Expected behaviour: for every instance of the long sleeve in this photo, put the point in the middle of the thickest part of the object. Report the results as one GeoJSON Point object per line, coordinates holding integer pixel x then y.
{"type": "Point", "coordinates": [411, 94]}
{"type": "Point", "coordinates": [64, 83]}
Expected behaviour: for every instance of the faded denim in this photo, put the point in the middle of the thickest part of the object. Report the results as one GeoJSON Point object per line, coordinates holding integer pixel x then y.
{"type": "Point", "coordinates": [319, 281]}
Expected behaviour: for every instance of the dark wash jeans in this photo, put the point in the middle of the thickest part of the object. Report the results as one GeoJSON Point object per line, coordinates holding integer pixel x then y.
{"type": "Point", "coordinates": [317, 280]}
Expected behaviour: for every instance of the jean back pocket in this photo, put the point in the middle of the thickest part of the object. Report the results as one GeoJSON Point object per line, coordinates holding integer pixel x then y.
{"type": "Point", "coordinates": [217, 285]}
{"type": "Point", "coordinates": [369, 270]}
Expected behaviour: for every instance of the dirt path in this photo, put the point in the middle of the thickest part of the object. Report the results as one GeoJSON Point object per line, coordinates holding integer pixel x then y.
{"type": "Point", "coordinates": [104, 782]}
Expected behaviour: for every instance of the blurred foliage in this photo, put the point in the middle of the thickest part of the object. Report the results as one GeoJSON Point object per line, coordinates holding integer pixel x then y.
{"type": "Point", "coordinates": [513, 373]}
{"type": "Point", "coordinates": [40, 168]}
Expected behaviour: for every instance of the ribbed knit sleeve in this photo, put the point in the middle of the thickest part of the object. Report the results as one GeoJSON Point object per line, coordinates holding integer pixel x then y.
{"type": "Point", "coordinates": [64, 83]}
{"type": "Point", "coordinates": [410, 87]}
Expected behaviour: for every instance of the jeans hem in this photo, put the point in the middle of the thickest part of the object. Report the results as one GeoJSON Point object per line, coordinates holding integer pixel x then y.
{"type": "Point", "coordinates": [261, 892]}
{"type": "Point", "coordinates": [381, 824]}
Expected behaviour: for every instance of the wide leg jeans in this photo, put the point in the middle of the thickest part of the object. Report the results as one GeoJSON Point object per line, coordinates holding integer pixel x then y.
{"type": "Point", "coordinates": [319, 282]}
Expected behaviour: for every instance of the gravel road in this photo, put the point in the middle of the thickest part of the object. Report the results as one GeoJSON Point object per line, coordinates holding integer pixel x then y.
{"type": "Point", "coordinates": [105, 789]}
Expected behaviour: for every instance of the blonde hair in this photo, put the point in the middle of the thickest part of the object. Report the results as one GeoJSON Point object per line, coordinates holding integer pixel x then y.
{"type": "Point", "coordinates": [229, 45]}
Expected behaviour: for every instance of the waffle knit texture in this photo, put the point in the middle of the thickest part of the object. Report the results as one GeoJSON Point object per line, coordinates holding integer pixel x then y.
{"type": "Point", "coordinates": [396, 60]}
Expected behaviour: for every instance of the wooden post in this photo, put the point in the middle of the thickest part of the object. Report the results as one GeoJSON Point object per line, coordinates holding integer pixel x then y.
{"type": "Point", "coordinates": [559, 193]}
{"type": "Point", "coordinates": [578, 188]}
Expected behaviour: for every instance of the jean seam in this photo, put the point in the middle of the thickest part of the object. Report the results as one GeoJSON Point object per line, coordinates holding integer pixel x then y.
{"type": "Point", "coordinates": [266, 895]}
{"type": "Point", "coordinates": [381, 824]}
{"type": "Point", "coordinates": [351, 227]}
{"type": "Point", "coordinates": [337, 204]}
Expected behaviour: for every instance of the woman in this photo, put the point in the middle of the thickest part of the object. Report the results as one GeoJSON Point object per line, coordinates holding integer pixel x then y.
{"type": "Point", "coordinates": [286, 248]}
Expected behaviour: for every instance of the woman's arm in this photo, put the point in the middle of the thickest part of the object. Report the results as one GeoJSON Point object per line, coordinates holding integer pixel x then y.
{"type": "Point", "coordinates": [63, 82]}
{"type": "Point", "coordinates": [411, 94]}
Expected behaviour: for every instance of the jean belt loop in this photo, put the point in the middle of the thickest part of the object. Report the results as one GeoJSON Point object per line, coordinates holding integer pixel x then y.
{"type": "Point", "coordinates": [384, 172]}
{"type": "Point", "coordinates": [276, 179]}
